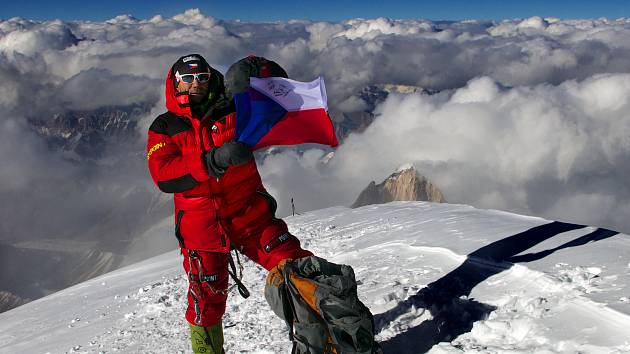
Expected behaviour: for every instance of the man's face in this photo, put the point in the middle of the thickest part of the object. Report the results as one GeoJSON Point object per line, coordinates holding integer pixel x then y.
{"type": "Point", "coordinates": [197, 91]}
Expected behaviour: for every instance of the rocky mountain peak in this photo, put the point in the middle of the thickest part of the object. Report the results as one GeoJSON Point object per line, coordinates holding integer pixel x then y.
{"type": "Point", "coordinates": [404, 184]}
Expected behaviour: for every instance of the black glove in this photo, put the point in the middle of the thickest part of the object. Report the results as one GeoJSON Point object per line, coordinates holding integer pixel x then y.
{"type": "Point", "coordinates": [232, 153]}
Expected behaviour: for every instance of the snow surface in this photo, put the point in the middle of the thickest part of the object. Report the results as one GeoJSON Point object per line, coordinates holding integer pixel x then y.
{"type": "Point", "coordinates": [441, 278]}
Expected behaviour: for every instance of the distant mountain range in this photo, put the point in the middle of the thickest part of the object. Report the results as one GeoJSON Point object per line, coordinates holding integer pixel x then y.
{"type": "Point", "coordinates": [84, 135]}
{"type": "Point", "coordinates": [37, 268]}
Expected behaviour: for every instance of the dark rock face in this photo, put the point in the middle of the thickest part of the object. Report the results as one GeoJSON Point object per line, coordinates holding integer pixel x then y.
{"type": "Point", "coordinates": [9, 300]}
{"type": "Point", "coordinates": [407, 184]}
{"type": "Point", "coordinates": [85, 135]}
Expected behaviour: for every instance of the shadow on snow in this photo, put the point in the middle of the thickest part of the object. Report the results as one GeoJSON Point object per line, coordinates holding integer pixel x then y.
{"type": "Point", "coordinates": [446, 298]}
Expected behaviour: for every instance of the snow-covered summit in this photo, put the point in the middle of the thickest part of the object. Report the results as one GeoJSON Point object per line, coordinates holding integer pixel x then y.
{"type": "Point", "coordinates": [439, 277]}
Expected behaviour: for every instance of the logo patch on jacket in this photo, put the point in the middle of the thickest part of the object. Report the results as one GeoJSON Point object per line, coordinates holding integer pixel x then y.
{"type": "Point", "coordinates": [209, 278]}
{"type": "Point", "coordinates": [276, 241]}
{"type": "Point", "coordinates": [155, 148]}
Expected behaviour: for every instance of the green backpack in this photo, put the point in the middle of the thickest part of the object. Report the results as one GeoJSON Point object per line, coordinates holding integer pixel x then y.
{"type": "Point", "coordinates": [318, 301]}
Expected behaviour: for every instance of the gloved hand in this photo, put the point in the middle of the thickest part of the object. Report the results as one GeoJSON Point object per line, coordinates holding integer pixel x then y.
{"type": "Point", "coordinates": [232, 153]}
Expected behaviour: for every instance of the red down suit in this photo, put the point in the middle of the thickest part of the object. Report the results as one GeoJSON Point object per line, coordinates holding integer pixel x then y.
{"type": "Point", "coordinates": [212, 215]}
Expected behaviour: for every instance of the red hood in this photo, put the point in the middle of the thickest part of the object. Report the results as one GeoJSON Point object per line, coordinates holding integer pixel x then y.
{"type": "Point", "coordinates": [175, 103]}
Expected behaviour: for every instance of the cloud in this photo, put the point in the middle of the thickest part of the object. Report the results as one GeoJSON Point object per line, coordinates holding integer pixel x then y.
{"type": "Point", "coordinates": [350, 54]}
{"type": "Point", "coordinates": [560, 152]}
{"type": "Point", "coordinates": [530, 118]}
{"type": "Point", "coordinates": [29, 37]}
{"type": "Point", "coordinates": [352, 104]}
{"type": "Point", "coordinates": [94, 88]}
{"type": "Point", "coordinates": [366, 30]}
{"type": "Point", "coordinates": [25, 158]}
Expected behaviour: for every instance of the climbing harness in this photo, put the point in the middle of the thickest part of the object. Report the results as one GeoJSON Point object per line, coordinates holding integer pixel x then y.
{"type": "Point", "coordinates": [196, 281]}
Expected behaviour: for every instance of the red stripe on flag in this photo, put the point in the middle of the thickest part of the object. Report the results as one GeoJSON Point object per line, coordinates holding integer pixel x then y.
{"type": "Point", "coordinates": [308, 126]}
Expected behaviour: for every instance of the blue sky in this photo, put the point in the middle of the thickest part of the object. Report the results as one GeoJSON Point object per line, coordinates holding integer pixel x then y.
{"type": "Point", "coordinates": [319, 9]}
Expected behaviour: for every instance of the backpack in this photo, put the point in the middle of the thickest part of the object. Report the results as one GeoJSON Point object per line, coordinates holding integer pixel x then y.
{"type": "Point", "coordinates": [237, 76]}
{"type": "Point", "coordinates": [236, 80]}
{"type": "Point", "coordinates": [318, 301]}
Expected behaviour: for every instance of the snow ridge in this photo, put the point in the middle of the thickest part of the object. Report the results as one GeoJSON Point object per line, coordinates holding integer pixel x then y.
{"type": "Point", "coordinates": [439, 278]}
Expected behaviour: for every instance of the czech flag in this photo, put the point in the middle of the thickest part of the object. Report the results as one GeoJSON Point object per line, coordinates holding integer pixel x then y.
{"type": "Point", "coordinates": [279, 111]}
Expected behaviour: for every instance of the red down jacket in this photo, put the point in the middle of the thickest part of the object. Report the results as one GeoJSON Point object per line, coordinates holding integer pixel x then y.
{"type": "Point", "coordinates": [209, 212]}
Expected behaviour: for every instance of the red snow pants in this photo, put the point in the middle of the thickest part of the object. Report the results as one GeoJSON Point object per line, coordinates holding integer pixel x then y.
{"type": "Point", "coordinates": [208, 271]}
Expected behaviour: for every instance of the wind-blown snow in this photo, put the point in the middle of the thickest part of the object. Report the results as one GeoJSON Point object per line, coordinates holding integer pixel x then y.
{"type": "Point", "coordinates": [438, 277]}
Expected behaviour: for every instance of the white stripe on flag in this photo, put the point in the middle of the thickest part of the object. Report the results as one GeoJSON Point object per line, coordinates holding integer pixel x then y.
{"type": "Point", "coordinates": [292, 95]}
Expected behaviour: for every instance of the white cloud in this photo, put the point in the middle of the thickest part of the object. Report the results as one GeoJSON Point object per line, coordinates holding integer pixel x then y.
{"type": "Point", "coordinates": [96, 88]}
{"type": "Point", "coordinates": [480, 90]}
{"type": "Point", "coordinates": [195, 17]}
{"type": "Point", "coordinates": [31, 37]}
{"type": "Point", "coordinates": [542, 150]}
{"type": "Point", "coordinates": [536, 122]}
{"type": "Point", "coordinates": [350, 54]}
{"type": "Point", "coordinates": [366, 30]}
